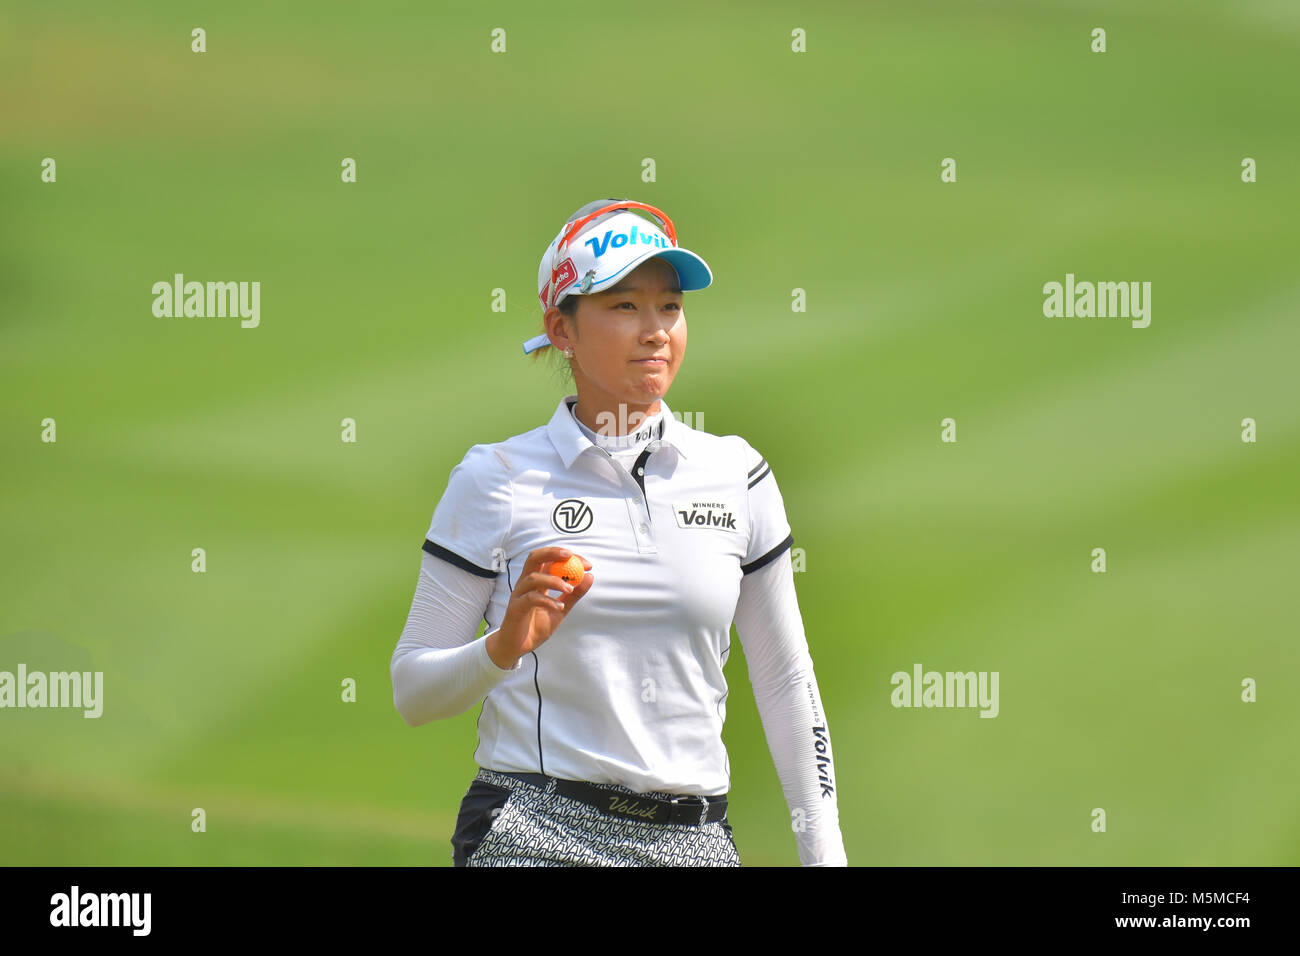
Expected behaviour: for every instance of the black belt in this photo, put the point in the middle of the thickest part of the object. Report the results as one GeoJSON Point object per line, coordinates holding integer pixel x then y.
{"type": "Point", "coordinates": [684, 809]}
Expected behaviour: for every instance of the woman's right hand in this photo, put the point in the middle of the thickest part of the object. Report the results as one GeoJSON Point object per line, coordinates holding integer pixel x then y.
{"type": "Point", "coordinates": [533, 615]}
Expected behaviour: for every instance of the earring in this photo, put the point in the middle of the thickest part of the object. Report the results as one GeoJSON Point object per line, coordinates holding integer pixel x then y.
{"type": "Point", "coordinates": [568, 353]}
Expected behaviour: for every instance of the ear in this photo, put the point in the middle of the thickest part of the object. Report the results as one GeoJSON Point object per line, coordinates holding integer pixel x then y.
{"type": "Point", "coordinates": [558, 327]}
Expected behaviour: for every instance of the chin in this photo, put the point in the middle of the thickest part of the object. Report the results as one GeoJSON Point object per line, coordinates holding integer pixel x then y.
{"type": "Point", "coordinates": [652, 392]}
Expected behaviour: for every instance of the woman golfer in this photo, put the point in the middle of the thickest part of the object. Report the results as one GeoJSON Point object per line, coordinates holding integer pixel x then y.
{"type": "Point", "coordinates": [600, 734]}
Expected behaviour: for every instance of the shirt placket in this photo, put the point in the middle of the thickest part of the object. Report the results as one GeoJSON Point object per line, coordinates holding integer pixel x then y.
{"type": "Point", "coordinates": [638, 508]}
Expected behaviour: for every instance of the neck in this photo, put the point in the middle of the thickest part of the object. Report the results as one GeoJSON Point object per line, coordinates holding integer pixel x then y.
{"type": "Point", "coordinates": [621, 420]}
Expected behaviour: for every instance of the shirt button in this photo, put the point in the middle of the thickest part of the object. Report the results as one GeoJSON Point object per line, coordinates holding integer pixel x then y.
{"type": "Point", "coordinates": [636, 501]}
{"type": "Point", "coordinates": [642, 528]}
{"type": "Point", "coordinates": [640, 471]}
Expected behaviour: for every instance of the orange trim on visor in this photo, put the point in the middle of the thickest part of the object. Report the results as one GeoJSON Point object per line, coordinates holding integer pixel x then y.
{"type": "Point", "coordinates": [669, 230]}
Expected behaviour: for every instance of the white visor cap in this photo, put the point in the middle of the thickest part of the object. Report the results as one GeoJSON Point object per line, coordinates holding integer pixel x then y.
{"type": "Point", "coordinates": [608, 249]}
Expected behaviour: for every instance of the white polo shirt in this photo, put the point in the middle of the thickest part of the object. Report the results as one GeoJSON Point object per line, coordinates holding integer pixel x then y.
{"type": "Point", "coordinates": [630, 687]}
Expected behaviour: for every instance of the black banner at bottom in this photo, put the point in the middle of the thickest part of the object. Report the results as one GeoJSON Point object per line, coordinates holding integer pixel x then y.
{"type": "Point", "coordinates": [333, 905]}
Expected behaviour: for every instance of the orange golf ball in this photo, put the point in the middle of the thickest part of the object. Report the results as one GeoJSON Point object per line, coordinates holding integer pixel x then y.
{"type": "Point", "coordinates": [571, 570]}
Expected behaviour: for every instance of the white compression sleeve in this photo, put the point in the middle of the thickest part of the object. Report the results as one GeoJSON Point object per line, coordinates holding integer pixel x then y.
{"type": "Point", "coordinates": [439, 670]}
{"type": "Point", "coordinates": [771, 631]}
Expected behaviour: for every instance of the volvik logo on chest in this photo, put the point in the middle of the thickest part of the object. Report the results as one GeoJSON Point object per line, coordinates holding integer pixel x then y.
{"type": "Point", "coordinates": [705, 514]}
{"type": "Point", "coordinates": [572, 516]}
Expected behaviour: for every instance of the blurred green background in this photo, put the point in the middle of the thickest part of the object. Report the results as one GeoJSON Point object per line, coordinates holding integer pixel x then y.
{"type": "Point", "coordinates": [816, 170]}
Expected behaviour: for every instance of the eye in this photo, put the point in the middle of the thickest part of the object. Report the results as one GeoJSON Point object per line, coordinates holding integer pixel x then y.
{"type": "Point", "coordinates": [671, 305]}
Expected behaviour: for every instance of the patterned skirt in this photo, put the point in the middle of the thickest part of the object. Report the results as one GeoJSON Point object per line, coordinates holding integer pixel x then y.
{"type": "Point", "coordinates": [504, 821]}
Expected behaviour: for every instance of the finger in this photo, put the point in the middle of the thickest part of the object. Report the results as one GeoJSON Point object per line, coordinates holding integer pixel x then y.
{"type": "Point", "coordinates": [543, 584]}
{"type": "Point", "coordinates": [576, 595]}
{"type": "Point", "coordinates": [546, 582]}
{"type": "Point", "coordinates": [544, 600]}
{"type": "Point", "coordinates": [538, 601]}
{"type": "Point", "coordinates": [544, 556]}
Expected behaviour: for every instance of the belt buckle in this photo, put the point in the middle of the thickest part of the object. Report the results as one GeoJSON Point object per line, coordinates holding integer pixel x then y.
{"type": "Point", "coordinates": [704, 806]}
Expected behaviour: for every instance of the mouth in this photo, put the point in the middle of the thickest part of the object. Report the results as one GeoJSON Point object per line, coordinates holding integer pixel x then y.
{"type": "Point", "coordinates": [652, 362]}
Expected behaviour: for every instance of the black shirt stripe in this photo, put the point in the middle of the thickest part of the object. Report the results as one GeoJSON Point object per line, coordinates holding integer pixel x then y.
{"type": "Point", "coordinates": [538, 687]}
{"type": "Point", "coordinates": [438, 551]}
{"type": "Point", "coordinates": [769, 557]}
